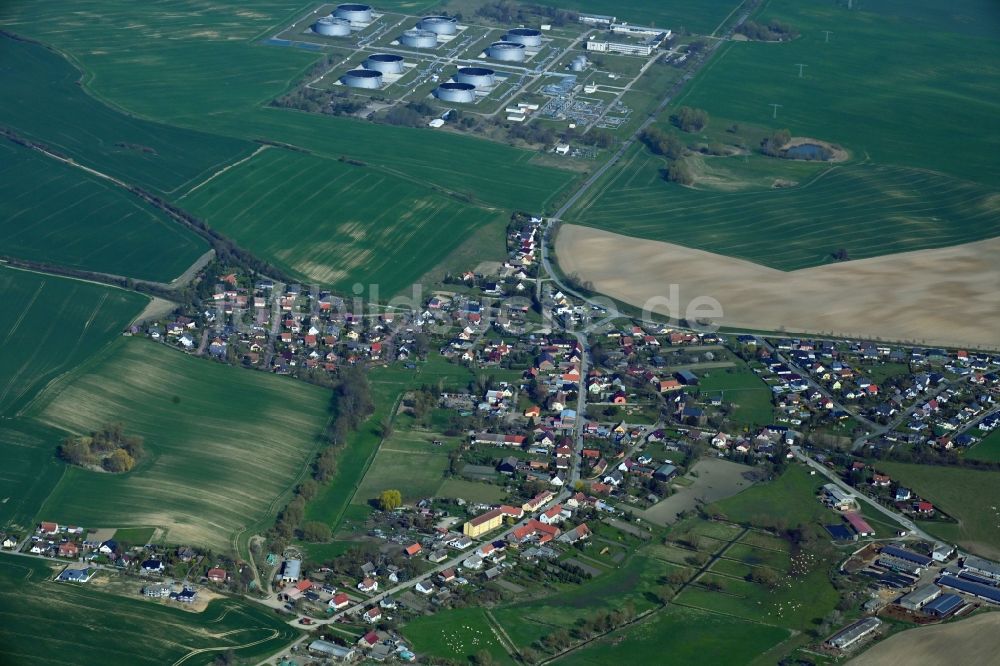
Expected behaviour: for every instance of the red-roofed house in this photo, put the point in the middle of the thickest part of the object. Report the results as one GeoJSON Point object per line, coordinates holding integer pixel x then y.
{"type": "Point", "coordinates": [369, 640]}
{"type": "Point", "coordinates": [412, 550]}
{"type": "Point", "coordinates": [217, 575]}
{"type": "Point", "coordinates": [552, 516]}
{"type": "Point", "coordinates": [68, 549]}
{"type": "Point", "coordinates": [372, 615]}
{"type": "Point", "coordinates": [49, 528]}
{"type": "Point", "coordinates": [925, 508]}
{"type": "Point", "coordinates": [340, 601]}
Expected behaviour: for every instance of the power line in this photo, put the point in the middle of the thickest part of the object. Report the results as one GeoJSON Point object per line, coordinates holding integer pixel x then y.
{"type": "Point", "coordinates": [776, 107]}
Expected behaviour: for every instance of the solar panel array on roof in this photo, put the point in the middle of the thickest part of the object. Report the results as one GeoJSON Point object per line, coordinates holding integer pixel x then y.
{"type": "Point", "coordinates": [839, 532]}
{"type": "Point", "coordinates": [986, 592]}
{"type": "Point", "coordinates": [977, 579]}
{"type": "Point", "coordinates": [944, 605]}
{"type": "Point", "coordinates": [907, 555]}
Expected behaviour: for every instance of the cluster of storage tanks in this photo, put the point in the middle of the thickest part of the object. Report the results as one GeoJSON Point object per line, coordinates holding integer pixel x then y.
{"type": "Point", "coordinates": [372, 73]}
{"type": "Point", "coordinates": [338, 24]}
{"type": "Point", "coordinates": [466, 81]}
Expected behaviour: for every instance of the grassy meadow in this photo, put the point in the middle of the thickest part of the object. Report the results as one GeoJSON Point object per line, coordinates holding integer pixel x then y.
{"type": "Point", "coordinates": [986, 449]}
{"type": "Point", "coordinates": [791, 498]}
{"type": "Point", "coordinates": [335, 223]}
{"type": "Point", "coordinates": [224, 445]}
{"type": "Point", "coordinates": [46, 104]}
{"type": "Point", "coordinates": [41, 622]}
{"type": "Point", "coordinates": [687, 635]}
{"type": "Point", "coordinates": [970, 496]}
{"type": "Point", "coordinates": [460, 634]}
{"type": "Point", "coordinates": [902, 189]}
{"type": "Point", "coordinates": [58, 214]}
{"type": "Point", "coordinates": [739, 386]}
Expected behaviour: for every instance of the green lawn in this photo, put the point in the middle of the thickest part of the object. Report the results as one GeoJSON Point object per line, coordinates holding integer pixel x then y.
{"type": "Point", "coordinates": [970, 496]}
{"type": "Point", "coordinates": [58, 214]}
{"type": "Point", "coordinates": [225, 445]}
{"type": "Point", "coordinates": [340, 224]}
{"type": "Point", "coordinates": [43, 622]}
{"type": "Point", "coordinates": [790, 499]}
{"type": "Point", "coordinates": [740, 387]}
{"type": "Point", "coordinates": [896, 194]}
{"type": "Point", "coordinates": [987, 449]}
{"type": "Point", "coordinates": [683, 636]}
{"type": "Point", "coordinates": [45, 103]}
{"type": "Point", "coordinates": [471, 491]}
{"type": "Point", "coordinates": [455, 634]}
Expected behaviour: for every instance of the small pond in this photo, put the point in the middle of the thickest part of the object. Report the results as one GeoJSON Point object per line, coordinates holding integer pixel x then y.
{"type": "Point", "coordinates": [808, 151]}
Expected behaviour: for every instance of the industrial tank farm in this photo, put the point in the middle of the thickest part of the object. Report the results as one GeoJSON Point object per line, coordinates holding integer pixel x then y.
{"type": "Point", "coordinates": [439, 25]}
{"type": "Point", "coordinates": [362, 78]}
{"type": "Point", "coordinates": [462, 93]}
{"type": "Point", "coordinates": [525, 36]}
{"type": "Point", "coordinates": [480, 77]}
{"type": "Point", "coordinates": [355, 13]}
{"type": "Point", "coordinates": [329, 26]}
{"type": "Point", "coordinates": [419, 39]}
{"type": "Point", "coordinates": [506, 51]}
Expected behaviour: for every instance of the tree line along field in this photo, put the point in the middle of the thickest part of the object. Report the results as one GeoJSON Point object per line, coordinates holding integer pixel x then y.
{"type": "Point", "coordinates": [45, 103]}
{"type": "Point", "coordinates": [55, 213]}
{"type": "Point", "coordinates": [43, 622]}
{"type": "Point", "coordinates": [336, 223]}
{"type": "Point", "coordinates": [903, 188]}
{"type": "Point", "coordinates": [224, 445]}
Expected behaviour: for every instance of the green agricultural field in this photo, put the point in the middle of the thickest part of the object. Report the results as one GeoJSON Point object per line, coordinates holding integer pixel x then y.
{"type": "Point", "coordinates": [43, 622]}
{"type": "Point", "coordinates": [987, 449]}
{"type": "Point", "coordinates": [51, 324]}
{"type": "Point", "coordinates": [972, 497]}
{"type": "Point", "coordinates": [45, 103]}
{"type": "Point", "coordinates": [740, 387]}
{"type": "Point", "coordinates": [789, 499]}
{"type": "Point", "coordinates": [460, 634]}
{"type": "Point", "coordinates": [867, 209]}
{"type": "Point", "coordinates": [224, 445]}
{"type": "Point", "coordinates": [897, 193]}
{"type": "Point", "coordinates": [336, 223]}
{"type": "Point", "coordinates": [687, 636]}
{"type": "Point", "coordinates": [57, 214]}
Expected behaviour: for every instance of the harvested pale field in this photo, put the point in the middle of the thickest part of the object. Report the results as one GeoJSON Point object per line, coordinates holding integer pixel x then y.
{"type": "Point", "coordinates": [945, 296]}
{"type": "Point", "coordinates": [969, 642]}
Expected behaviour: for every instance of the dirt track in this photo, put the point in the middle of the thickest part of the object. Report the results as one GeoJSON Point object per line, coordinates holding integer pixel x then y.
{"type": "Point", "coordinates": [948, 296]}
{"type": "Point", "coordinates": [968, 642]}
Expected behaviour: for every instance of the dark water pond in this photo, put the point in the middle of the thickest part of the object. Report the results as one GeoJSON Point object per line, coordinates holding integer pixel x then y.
{"type": "Point", "coordinates": [807, 151]}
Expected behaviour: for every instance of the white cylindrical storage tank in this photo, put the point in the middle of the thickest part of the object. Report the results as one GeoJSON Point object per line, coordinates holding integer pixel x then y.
{"type": "Point", "coordinates": [526, 36]}
{"type": "Point", "coordinates": [462, 93]}
{"type": "Point", "coordinates": [480, 77]}
{"type": "Point", "coordinates": [362, 78]}
{"type": "Point", "coordinates": [419, 39]}
{"type": "Point", "coordinates": [578, 64]}
{"type": "Point", "coordinates": [329, 26]}
{"type": "Point", "coordinates": [355, 13]}
{"type": "Point", "coordinates": [506, 51]}
{"type": "Point", "coordinates": [387, 63]}
{"type": "Point", "coordinates": [439, 25]}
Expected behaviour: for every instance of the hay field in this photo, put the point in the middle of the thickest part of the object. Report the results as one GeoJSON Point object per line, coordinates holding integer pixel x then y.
{"type": "Point", "coordinates": [334, 223]}
{"type": "Point", "coordinates": [57, 214]}
{"type": "Point", "coordinates": [975, 640]}
{"type": "Point", "coordinates": [45, 102]}
{"type": "Point", "coordinates": [224, 445]}
{"type": "Point", "coordinates": [43, 622]}
{"type": "Point", "coordinates": [944, 296]}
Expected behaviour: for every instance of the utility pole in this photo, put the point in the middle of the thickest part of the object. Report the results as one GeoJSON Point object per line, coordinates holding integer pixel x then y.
{"type": "Point", "coordinates": [800, 66]}
{"type": "Point", "coordinates": [827, 33]}
{"type": "Point", "coordinates": [776, 106]}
